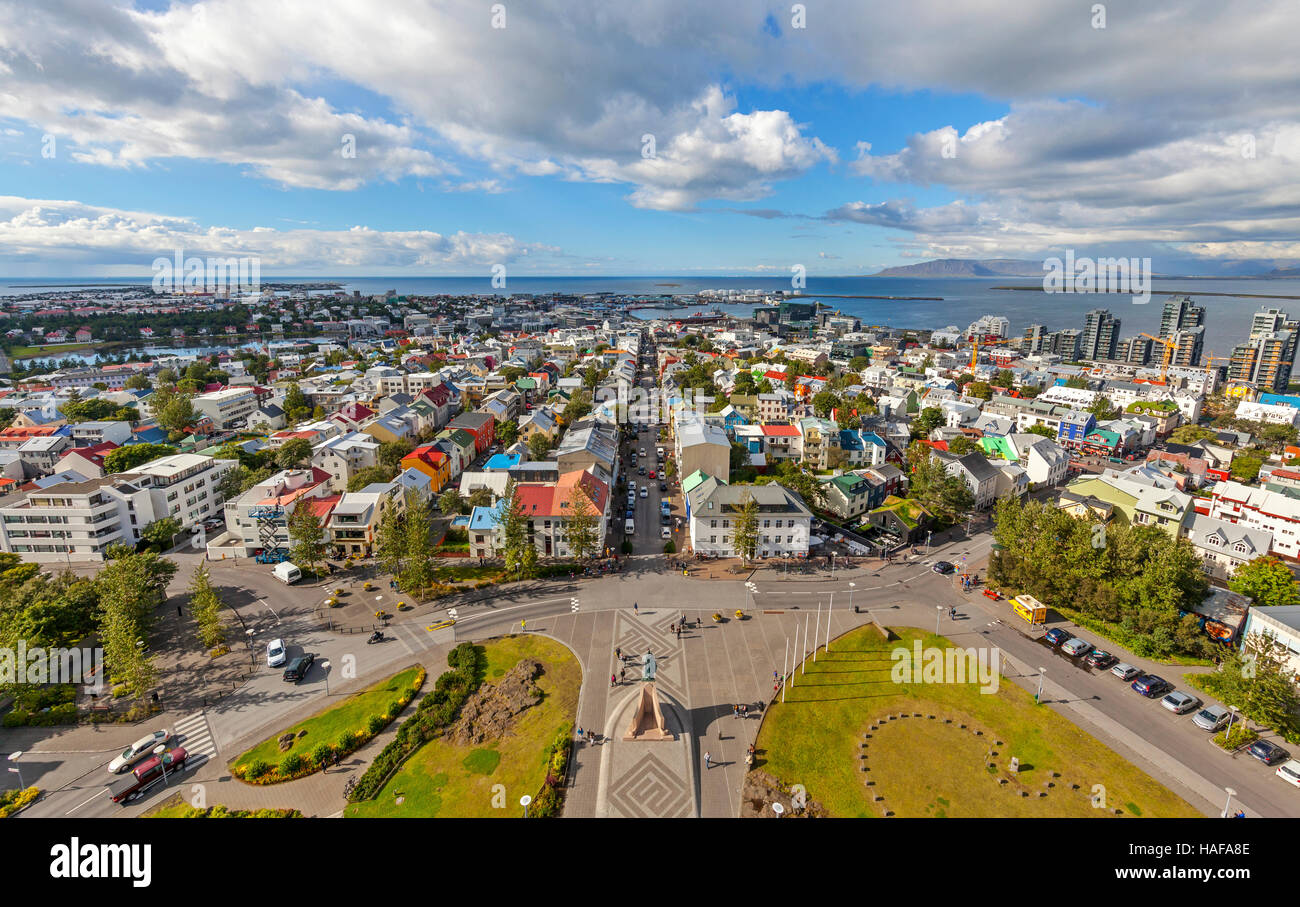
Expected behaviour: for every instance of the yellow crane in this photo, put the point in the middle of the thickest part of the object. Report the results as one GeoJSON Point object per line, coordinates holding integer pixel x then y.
{"type": "Point", "coordinates": [975, 353]}
{"type": "Point", "coordinates": [1170, 346]}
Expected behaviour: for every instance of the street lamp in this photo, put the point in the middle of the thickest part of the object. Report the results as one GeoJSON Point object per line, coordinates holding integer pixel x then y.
{"type": "Point", "coordinates": [927, 541]}
{"type": "Point", "coordinates": [160, 751]}
{"type": "Point", "coordinates": [13, 757]}
{"type": "Point", "coordinates": [524, 801]}
{"type": "Point", "coordinates": [1227, 734]}
{"type": "Point", "coordinates": [325, 668]}
{"type": "Point", "coordinates": [852, 586]}
{"type": "Point", "coordinates": [1038, 697]}
{"type": "Point", "coordinates": [1228, 804]}
{"type": "Point", "coordinates": [938, 613]}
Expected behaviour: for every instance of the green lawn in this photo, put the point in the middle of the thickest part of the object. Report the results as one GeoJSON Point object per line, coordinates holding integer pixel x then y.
{"type": "Point", "coordinates": [470, 572]}
{"type": "Point", "coordinates": [448, 781]}
{"type": "Point", "coordinates": [925, 767]}
{"type": "Point", "coordinates": [327, 725]}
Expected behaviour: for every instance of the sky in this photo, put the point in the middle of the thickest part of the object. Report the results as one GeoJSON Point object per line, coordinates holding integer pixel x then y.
{"type": "Point", "coordinates": [572, 137]}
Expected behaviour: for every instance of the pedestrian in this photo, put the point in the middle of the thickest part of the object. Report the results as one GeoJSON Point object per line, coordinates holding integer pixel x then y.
{"type": "Point", "coordinates": [735, 711]}
{"type": "Point", "coordinates": [708, 760]}
{"type": "Point", "coordinates": [744, 710]}
{"type": "Point", "coordinates": [613, 680]}
{"type": "Point", "coordinates": [636, 609]}
{"type": "Point", "coordinates": [679, 631]}
{"type": "Point", "coordinates": [775, 676]}
{"type": "Point", "coordinates": [523, 626]}
{"type": "Point", "coordinates": [580, 734]}
{"type": "Point", "coordinates": [622, 674]}
{"type": "Point", "coordinates": [618, 652]}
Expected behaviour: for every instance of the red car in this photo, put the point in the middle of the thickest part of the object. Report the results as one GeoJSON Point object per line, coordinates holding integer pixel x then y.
{"type": "Point", "coordinates": [652, 474]}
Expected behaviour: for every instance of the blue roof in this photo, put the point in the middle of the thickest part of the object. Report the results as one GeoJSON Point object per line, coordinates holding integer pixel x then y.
{"type": "Point", "coordinates": [485, 519]}
{"type": "Point", "coordinates": [851, 440]}
{"type": "Point", "coordinates": [1280, 400]}
{"type": "Point", "coordinates": [153, 435]}
{"type": "Point", "coordinates": [501, 462]}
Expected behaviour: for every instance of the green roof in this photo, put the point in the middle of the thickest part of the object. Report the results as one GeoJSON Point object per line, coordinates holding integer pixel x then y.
{"type": "Point", "coordinates": [693, 480]}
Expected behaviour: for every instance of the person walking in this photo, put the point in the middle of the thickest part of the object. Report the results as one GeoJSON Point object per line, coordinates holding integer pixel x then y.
{"type": "Point", "coordinates": [622, 675]}
{"type": "Point", "coordinates": [708, 760]}
{"type": "Point", "coordinates": [523, 626]}
{"type": "Point", "coordinates": [636, 609]}
{"type": "Point", "coordinates": [618, 652]}
{"type": "Point", "coordinates": [613, 681]}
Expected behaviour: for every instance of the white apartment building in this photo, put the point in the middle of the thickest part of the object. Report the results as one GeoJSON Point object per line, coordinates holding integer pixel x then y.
{"type": "Point", "coordinates": [227, 406]}
{"type": "Point", "coordinates": [344, 456]}
{"type": "Point", "coordinates": [1258, 508]}
{"type": "Point", "coordinates": [183, 486]}
{"type": "Point", "coordinates": [74, 521]}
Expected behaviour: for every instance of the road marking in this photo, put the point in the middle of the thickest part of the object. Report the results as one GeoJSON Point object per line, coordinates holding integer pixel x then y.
{"type": "Point", "coordinates": [195, 735]}
{"type": "Point", "coordinates": [83, 803]}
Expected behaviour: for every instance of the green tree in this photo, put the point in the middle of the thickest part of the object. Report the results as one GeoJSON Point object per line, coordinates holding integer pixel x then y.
{"type": "Point", "coordinates": [161, 532]}
{"type": "Point", "coordinates": [508, 433]}
{"type": "Point", "coordinates": [745, 530]}
{"type": "Point", "coordinates": [392, 452]}
{"type": "Point", "coordinates": [926, 421]}
{"type": "Point", "coordinates": [390, 542]}
{"type": "Point", "coordinates": [293, 453]}
{"type": "Point", "coordinates": [519, 552]}
{"type": "Point", "coordinates": [418, 571]}
{"type": "Point", "coordinates": [539, 445]}
{"type": "Point", "coordinates": [451, 501]}
{"type": "Point", "coordinates": [130, 589]}
{"type": "Point", "coordinates": [1103, 409]}
{"type": "Point", "coordinates": [205, 606]}
{"type": "Point", "coordinates": [124, 459]}
{"type": "Point", "coordinates": [178, 414]}
{"type": "Point", "coordinates": [824, 402]}
{"type": "Point", "coordinates": [981, 389]}
{"type": "Point", "coordinates": [1267, 580]}
{"type": "Point", "coordinates": [581, 524]}
{"type": "Point", "coordinates": [1245, 468]}
{"type": "Point", "coordinates": [306, 536]}
{"type": "Point", "coordinates": [963, 445]}
{"type": "Point", "coordinates": [479, 497]}
{"type": "Point", "coordinates": [1077, 382]}
{"type": "Point", "coordinates": [370, 475]}
{"type": "Point", "coordinates": [1041, 430]}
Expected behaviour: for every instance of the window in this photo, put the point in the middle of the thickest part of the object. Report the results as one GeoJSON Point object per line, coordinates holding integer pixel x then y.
{"type": "Point", "coordinates": [713, 539]}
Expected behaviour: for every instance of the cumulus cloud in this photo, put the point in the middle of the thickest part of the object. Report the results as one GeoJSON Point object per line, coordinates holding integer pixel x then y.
{"type": "Point", "coordinates": [69, 232]}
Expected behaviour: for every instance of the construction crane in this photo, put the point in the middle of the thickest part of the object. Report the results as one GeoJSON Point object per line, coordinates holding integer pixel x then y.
{"type": "Point", "coordinates": [975, 353]}
{"type": "Point", "coordinates": [1209, 365]}
{"type": "Point", "coordinates": [1170, 346]}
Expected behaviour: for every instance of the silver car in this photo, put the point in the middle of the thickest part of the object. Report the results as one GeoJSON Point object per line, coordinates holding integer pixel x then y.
{"type": "Point", "coordinates": [1125, 671]}
{"type": "Point", "coordinates": [138, 750]}
{"type": "Point", "coordinates": [1211, 718]}
{"type": "Point", "coordinates": [1076, 647]}
{"type": "Point", "coordinates": [1179, 703]}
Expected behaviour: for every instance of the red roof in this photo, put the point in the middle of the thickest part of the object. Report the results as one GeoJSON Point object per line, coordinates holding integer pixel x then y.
{"type": "Point", "coordinates": [322, 506]}
{"type": "Point", "coordinates": [780, 430]}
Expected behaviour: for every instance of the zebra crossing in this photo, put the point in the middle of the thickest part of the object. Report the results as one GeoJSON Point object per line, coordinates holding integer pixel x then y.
{"type": "Point", "coordinates": [195, 735]}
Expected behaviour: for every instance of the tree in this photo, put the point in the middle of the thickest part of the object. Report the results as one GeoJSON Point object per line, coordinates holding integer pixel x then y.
{"type": "Point", "coordinates": [1103, 409]}
{"type": "Point", "coordinates": [964, 445]}
{"type": "Point", "coordinates": [205, 606]}
{"type": "Point", "coordinates": [418, 572]}
{"type": "Point", "coordinates": [480, 497]}
{"type": "Point", "coordinates": [1245, 468]}
{"type": "Point", "coordinates": [130, 588]}
{"type": "Point", "coordinates": [539, 445]}
{"type": "Point", "coordinates": [391, 454]}
{"type": "Point", "coordinates": [745, 533]}
{"type": "Point", "coordinates": [293, 453]}
{"type": "Point", "coordinates": [508, 433]}
{"type": "Point", "coordinates": [1077, 382]}
{"type": "Point", "coordinates": [927, 421]}
{"type": "Point", "coordinates": [944, 495]}
{"type": "Point", "coordinates": [124, 459]}
{"type": "Point", "coordinates": [178, 414]}
{"type": "Point", "coordinates": [390, 542]}
{"type": "Point", "coordinates": [739, 457]}
{"type": "Point", "coordinates": [578, 406]}
{"type": "Point", "coordinates": [451, 501]}
{"type": "Point", "coordinates": [1190, 434]}
{"type": "Point", "coordinates": [296, 408]}
{"type": "Point", "coordinates": [161, 532]}
{"type": "Point", "coordinates": [306, 535]}
{"type": "Point", "coordinates": [981, 389]}
{"type": "Point", "coordinates": [1041, 430]}
{"type": "Point", "coordinates": [812, 492]}
{"type": "Point", "coordinates": [370, 475]}
{"type": "Point", "coordinates": [824, 402]}
{"type": "Point", "coordinates": [1267, 580]}
{"type": "Point", "coordinates": [519, 553]}
{"type": "Point", "coordinates": [1004, 378]}
{"type": "Point", "coordinates": [581, 524]}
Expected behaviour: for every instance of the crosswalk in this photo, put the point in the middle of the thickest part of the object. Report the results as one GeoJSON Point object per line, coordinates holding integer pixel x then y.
{"type": "Point", "coordinates": [195, 735]}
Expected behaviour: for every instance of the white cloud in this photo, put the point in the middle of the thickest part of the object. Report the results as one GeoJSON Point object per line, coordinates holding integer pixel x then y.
{"type": "Point", "coordinates": [117, 241]}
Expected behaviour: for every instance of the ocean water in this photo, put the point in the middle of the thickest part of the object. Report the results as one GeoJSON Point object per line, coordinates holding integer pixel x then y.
{"type": "Point", "coordinates": [963, 300]}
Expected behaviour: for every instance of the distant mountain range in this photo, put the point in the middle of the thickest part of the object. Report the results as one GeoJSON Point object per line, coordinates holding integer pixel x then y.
{"type": "Point", "coordinates": [1017, 267]}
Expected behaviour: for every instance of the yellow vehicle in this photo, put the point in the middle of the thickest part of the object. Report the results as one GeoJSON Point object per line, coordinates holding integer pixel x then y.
{"type": "Point", "coordinates": [1030, 608]}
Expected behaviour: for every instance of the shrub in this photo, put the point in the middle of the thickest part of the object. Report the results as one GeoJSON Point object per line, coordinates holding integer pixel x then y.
{"type": "Point", "coordinates": [290, 765]}
{"type": "Point", "coordinates": [626, 547]}
{"type": "Point", "coordinates": [13, 800]}
{"type": "Point", "coordinates": [670, 547]}
{"type": "Point", "coordinates": [376, 724]}
{"type": "Point", "coordinates": [345, 741]}
{"type": "Point", "coordinates": [257, 768]}
{"type": "Point", "coordinates": [322, 755]}
{"type": "Point", "coordinates": [1241, 736]}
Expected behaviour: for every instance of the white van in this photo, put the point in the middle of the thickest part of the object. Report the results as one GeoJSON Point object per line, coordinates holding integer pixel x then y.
{"type": "Point", "coordinates": [287, 573]}
{"type": "Point", "coordinates": [629, 527]}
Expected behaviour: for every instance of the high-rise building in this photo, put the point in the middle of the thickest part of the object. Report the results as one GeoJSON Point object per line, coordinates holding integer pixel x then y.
{"type": "Point", "coordinates": [1035, 336]}
{"type": "Point", "coordinates": [1267, 357]}
{"type": "Point", "coordinates": [1188, 346]}
{"type": "Point", "coordinates": [1100, 335]}
{"type": "Point", "coordinates": [1180, 314]}
{"type": "Point", "coordinates": [1064, 344]}
{"type": "Point", "coordinates": [1134, 350]}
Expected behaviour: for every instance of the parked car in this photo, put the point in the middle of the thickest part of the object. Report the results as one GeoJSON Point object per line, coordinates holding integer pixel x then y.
{"type": "Point", "coordinates": [138, 750]}
{"type": "Point", "coordinates": [943, 567]}
{"type": "Point", "coordinates": [1179, 703]}
{"type": "Point", "coordinates": [1076, 647]}
{"type": "Point", "coordinates": [1267, 752]}
{"type": "Point", "coordinates": [1056, 637]}
{"type": "Point", "coordinates": [644, 492]}
{"type": "Point", "coordinates": [652, 474]}
{"type": "Point", "coordinates": [663, 486]}
{"type": "Point", "coordinates": [1290, 772]}
{"type": "Point", "coordinates": [1151, 686]}
{"type": "Point", "coordinates": [275, 654]}
{"type": "Point", "coordinates": [1125, 671]}
{"type": "Point", "coordinates": [665, 533]}
{"type": "Point", "coordinates": [641, 471]}
{"type": "Point", "coordinates": [1100, 660]}
{"type": "Point", "coordinates": [1211, 718]}
{"type": "Point", "coordinates": [299, 667]}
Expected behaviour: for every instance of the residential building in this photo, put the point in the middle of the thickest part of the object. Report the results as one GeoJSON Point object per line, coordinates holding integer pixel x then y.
{"type": "Point", "coordinates": [784, 521]}
{"type": "Point", "coordinates": [228, 406]}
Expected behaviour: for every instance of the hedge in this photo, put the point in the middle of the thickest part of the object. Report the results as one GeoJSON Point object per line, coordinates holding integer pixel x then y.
{"type": "Point", "coordinates": [436, 711]}
{"type": "Point", "coordinates": [550, 799]}
{"type": "Point", "coordinates": [11, 801]}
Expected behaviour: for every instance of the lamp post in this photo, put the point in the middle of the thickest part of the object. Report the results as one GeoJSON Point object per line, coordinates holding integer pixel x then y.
{"type": "Point", "coordinates": [325, 669]}
{"type": "Point", "coordinates": [1228, 803]}
{"type": "Point", "coordinates": [1038, 697]}
{"type": "Point", "coordinates": [1227, 734]}
{"type": "Point", "coordinates": [938, 613]}
{"type": "Point", "coordinates": [524, 801]}
{"type": "Point", "coordinates": [830, 606]}
{"type": "Point", "coordinates": [13, 757]}
{"type": "Point", "coordinates": [161, 752]}
{"type": "Point", "coordinates": [852, 586]}
{"type": "Point", "coordinates": [927, 541]}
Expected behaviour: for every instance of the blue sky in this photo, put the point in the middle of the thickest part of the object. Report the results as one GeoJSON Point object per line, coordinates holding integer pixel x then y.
{"type": "Point", "coordinates": [869, 138]}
